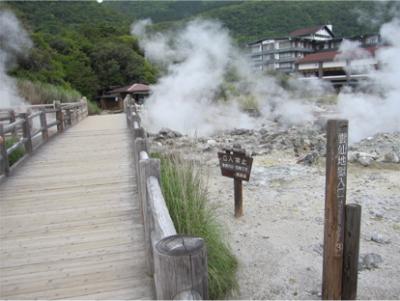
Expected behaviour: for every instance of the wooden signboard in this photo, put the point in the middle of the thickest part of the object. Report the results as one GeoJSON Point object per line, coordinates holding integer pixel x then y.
{"type": "Point", "coordinates": [236, 164]}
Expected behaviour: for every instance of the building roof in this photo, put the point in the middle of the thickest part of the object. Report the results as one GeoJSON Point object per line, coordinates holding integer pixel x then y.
{"type": "Point", "coordinates": [309, 30]}
{"type": "Point", "coordinates": [324, 56]}
{"type": "Point", "coordinates": [133, 88]}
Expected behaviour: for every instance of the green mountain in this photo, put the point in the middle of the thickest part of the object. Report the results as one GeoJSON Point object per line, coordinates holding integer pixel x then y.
{"type": "Point", "coordinates": [87, 46]}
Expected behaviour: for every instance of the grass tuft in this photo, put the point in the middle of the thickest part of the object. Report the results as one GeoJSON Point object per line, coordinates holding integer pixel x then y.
{"type": "Point", "coordinates": [16, 154]}
{"type": "Point", "coordinates": [187, 202]}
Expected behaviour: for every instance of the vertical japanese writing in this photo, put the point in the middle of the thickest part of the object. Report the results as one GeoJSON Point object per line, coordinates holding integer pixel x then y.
{"type": "Point", "coordinates": [342, 139]}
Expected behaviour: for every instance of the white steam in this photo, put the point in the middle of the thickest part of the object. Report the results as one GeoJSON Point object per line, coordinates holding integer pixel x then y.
{"type": "Point", "coordinates": [198, 59]}
{"type": "Point", "coordinates": [377, 110]}
{"type": "Point", "coordinates": [14, 41]}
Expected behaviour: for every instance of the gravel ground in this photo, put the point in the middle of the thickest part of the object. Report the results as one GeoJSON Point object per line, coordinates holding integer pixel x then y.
{"type": "Point", "coordinates": [278, 241]}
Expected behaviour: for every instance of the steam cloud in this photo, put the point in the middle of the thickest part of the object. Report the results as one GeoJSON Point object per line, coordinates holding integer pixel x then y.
{"type": "Point", "coordinates": [377, 107]}
{"type": "Point", "coordinates": [198, 60]}
{"type": "Point", "coordinates": [14, 41]}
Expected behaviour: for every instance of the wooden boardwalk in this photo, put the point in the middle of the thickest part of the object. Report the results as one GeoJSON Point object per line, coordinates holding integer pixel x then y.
{"type": "Point", "coordinates": [70, 225]}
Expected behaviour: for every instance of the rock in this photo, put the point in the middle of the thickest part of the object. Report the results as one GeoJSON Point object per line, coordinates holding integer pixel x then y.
{"type": "Point", "coordinates": [309, 159]}
{"type": "Point", "coordinates": [376, 214]}
{"type": "Point", "coordinates": [369, 261]}
{"type": "Point", "coordinates": [241, 132]}
{"type": "Point", "coordinates": [364, 159]}
{"type": "Point", "coordinates": [211, 142]}
{"type": "Point", "coordinates": [166, 133]}
{"type": "Point", "coordinates": [391, 157]}
{"type": "Point", "coordinates": [379, 238]}
{"type": "Point", "coordinates": [318, 248]}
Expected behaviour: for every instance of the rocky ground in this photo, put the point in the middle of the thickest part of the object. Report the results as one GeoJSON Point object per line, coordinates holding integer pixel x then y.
{"type": "Point", "coordinates": [278, 241]}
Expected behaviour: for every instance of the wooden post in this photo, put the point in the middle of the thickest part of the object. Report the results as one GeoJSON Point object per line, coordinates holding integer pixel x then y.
{"type": "Point", "coordinates": [43, 125]}
{"type": "Point", "coordinates": [335, 199]}
{"type": "Point", "coordinates": [129, 115]}
{"type": "Point", "coordinates": [238, 187]}
{"type": "Point", "coordinates": [59, 117]}
{"type": "Point", "coordinates": [148, 168]}
{"type": "Point", "coordinates": [69, 117]}
{"type": "Point", "coordinates": [26, 132]}
{"type": "Point", "coordinates": [139, 146]}
{"type": "Point", "coordinates": [351, 251]}
{"type": "Point", "coordinates": [180, 265]}
{"type": "Point", "coordinates": [13, 119]}
{"type": "Point", "coordinates": [5, 164]}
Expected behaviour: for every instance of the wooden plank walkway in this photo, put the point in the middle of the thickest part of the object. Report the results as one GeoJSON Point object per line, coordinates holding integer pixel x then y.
{"type": "Point", "coordinates": [70, 225]}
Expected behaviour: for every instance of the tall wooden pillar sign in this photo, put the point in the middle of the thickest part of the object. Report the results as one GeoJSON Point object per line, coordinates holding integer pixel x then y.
{"type": "Point", "coordinates": [335, 201]}
{"type": "Point", "coordinates": [236, 164]}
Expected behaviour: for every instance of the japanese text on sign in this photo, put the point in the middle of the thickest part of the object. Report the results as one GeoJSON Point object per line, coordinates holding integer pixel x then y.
{"type": "Point", "coordinates": [235, 164]}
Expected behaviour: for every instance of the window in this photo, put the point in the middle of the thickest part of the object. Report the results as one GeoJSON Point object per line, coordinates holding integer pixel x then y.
{"type": "Point", "coordinates": [286, 55]}
{"type": "Point", "coordinates": [268, 46]}
{"type": "Point", "coordinates": [284, 44]}
{"type": "Point", "coordinates": [285, 66]}
{"type": "Point", "coordinates": [255, 48]}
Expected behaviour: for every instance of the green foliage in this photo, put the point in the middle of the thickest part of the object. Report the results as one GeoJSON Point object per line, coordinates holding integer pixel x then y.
{"type": "Point", "coordinates": [40, 93]}
{"type": "Point", "coordinates": [16, 154]}
{"type": "Point", "coordinates": [191, 213]}
{"type": "Point", "coordinates": [81, 45]}
{"type": "Point", "coordinates": [93, 108]}
{"type": "Point", "coordinates": [87, 46]}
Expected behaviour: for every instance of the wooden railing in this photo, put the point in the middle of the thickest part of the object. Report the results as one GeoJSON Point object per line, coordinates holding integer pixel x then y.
{"type": "Point", "coordinates": [33, 127]}
{"type": "Point", "coordinates": [178, 263]}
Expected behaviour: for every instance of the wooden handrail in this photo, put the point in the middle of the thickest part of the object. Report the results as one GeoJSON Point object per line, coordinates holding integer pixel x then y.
{"type": "Point", "coordinates": [22, 122]}
{"type": "Point", "coordinates": [172, 280]}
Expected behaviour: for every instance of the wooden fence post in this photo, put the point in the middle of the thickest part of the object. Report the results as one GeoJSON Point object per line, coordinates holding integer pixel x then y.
{"type": "Point", "coordinates": [13, 119]}
{"type": "Point", "coordinates": [351, 251]}
{"type": "Point", "coordinates": [148, 168]}
{"type": "Point", "coordinates": [140, 144]}
{"type": "Point", "coordinates": [180, 266]}
{"type": "Point", "coordinates": [335, 199]}
{"type": "Point", "coordinates": [43, 125]}
{"type": "Point", "coordinates": [128, 115]}
{"type": "Point", "coordinates": [59, 117]}
{"type": "Point", "coordinates": [5, 164]}
{"type": "Point", "coordinates": [69, 117]}
{"type": "Point", "coordinates": [26, 132]}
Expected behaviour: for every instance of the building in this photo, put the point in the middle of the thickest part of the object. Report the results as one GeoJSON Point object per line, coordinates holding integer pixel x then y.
{"type": "Point", "coordinates": [341, 68]}
{"type": "Point", "coordinates": [282, 53]}
{"type": "Point", "coordinates": [113, 99]}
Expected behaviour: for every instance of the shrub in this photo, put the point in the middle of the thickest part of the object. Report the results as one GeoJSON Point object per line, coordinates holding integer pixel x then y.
{"type": "Point", "coordinates": [93, 108]}
{"type": "Point", "coordinates": [41, 93]}
{"type": "Point", "coordinates": [191, 213]}
{"type": "Point", "coordinates": [16, 154]}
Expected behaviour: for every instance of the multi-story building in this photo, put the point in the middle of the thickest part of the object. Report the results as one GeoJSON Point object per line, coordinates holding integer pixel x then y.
{"type": "Point", "coordinates": [282, 53]}
{"type": "Point", "coordinates": [341, 68]}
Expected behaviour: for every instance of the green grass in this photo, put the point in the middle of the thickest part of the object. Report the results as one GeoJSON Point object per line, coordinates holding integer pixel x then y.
{"type": "Point", "coordinates": [42, 93]}
{"type": "Point", "coordinates": [186, 198]}
{"type": "Point", "coordinates": [93, 108]}
{"type": "Point", "coordinates": [16, 154]}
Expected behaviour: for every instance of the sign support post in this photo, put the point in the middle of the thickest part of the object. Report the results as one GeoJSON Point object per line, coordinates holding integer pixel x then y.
{"type": "Point", "coordinates": [237, 183]}
{"type": "Point", "coordinates": [236, 164]}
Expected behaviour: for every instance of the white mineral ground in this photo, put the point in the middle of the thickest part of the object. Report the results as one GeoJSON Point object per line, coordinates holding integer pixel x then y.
{"type": "Point", "coordinates": [278, 241]}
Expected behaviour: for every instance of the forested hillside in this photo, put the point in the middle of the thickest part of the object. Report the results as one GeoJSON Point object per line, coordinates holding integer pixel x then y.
{"type": "Point", "coordinates": [82, 45]}
{"type": "Point", "coordinates": [87, 46]}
